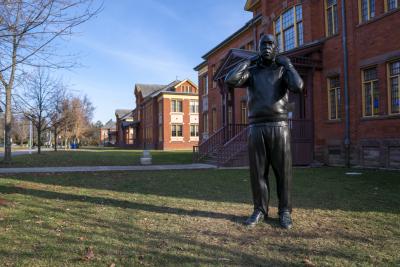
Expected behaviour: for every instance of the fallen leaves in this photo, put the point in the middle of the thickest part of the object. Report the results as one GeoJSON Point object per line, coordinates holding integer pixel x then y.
{"type": "Point", "coordinates": [4, 202]}
{"type": "Point", "coordinates": [89, 255]}
{"type": "Point", "coordinates": [308, 263]}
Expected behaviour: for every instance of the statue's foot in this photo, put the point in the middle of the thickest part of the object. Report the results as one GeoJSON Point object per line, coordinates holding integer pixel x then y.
{"type": "Point", "coordinates": [254, 218]}
{"type": "Point", "coordinates": [285, 220]}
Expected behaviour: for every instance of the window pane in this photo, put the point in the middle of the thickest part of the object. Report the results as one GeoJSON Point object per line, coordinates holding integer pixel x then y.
{"type": "Point", "coordinates": [288, 18]}
{"type": "Point", "coordinates": [332, 98]}
{"type": "Point", "coordinates": [278, 25]}
{"type": "Point", "coordinates": [179, 130]}
{"type": "Point", "coordinates": [376, 97]}
{"type": "Point", "coordinates": [364, 10]}
{"type": "Point", "coordinates": [279, 39]}
{"type": "Point", "coordinates": [334, 82]}
{"type": "Point", "coordinates": [370, 74]}
{"type": "Point", "coordinates": [289, 38]}
{"type": "Point", "coordinates": [395, 68]}
{"type": "Point", "coordinates": [299, 13]}
{"type": "Point", "coordinates": [394, 93]}
{"type": "Point", "coordinates": [335, 18]}
{"type": "Point", "coordinates": [371, 8]}
{"type": "Point", "coordinates": [300, 33]}
{"type": "Point", "coordinates": [172, 106]}
{"type": "Point", "coordinates": [339, 102]}
{"type": "Point", "coordinates": [392, 4]}
{"type": "Point", "coordinates": [179, 106]}
{"type": "Point", "coordinates": [330, 21]}
{"type": "Point", "coordinates": [331, 2]}
{"type": "Point", "coordinates": [368, 108]}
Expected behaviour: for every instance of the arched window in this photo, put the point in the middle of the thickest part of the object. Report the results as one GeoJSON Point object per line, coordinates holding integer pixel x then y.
{"type": "Point", "coordinates": [289, 28]}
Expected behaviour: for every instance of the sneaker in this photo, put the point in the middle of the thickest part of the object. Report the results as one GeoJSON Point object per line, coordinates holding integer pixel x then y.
{"type": "Point", "coordinates": [285, 220]}
{"type": "Point", "coordinates": [254, 218]}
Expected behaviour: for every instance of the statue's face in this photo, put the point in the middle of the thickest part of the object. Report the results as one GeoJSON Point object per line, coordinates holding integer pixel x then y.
{"type": "Point", "coordinates": [267, 47]}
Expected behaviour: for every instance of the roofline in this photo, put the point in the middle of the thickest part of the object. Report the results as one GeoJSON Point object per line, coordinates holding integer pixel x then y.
{"type": "Point", "coordinates": [234, 35]}
{"type": "Point", "coordinates": [200, 66]}
{"type": "Point", "coordinates": [249, 6]}
{"type": "Point", "coordinates": [125, 115]}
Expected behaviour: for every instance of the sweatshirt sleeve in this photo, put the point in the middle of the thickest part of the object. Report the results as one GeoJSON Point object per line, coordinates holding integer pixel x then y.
{"type": "Point", "coordinates": [239, 76]}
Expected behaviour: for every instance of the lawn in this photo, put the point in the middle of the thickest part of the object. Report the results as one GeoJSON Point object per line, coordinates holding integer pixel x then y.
{"type": "Point", "coordinates": [194, 218]}
{"type": "Point", "coordinates": [97, 157]}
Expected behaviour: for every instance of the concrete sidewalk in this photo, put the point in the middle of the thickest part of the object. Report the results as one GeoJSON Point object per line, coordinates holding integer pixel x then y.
{"type": "Point", "coordinates": [197, 166]}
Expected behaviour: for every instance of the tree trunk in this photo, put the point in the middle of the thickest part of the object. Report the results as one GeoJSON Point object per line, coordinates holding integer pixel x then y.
{"type": "Point", "coordinates": [39, 134]}
{"type": "Point", "coordinates": [7, 137]}
{"type": "Point", "coordinates": [55, 139]}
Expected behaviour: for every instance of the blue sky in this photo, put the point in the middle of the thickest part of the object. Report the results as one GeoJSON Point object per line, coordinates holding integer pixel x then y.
{"type": "Point", "coordinates": [148, 41]}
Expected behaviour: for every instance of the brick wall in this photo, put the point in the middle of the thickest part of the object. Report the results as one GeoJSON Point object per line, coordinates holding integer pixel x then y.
{"type": "Point", "coordinates": [374, 141]}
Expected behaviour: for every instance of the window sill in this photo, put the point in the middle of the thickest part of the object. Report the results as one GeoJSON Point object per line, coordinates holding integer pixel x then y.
{"type": "Point", "coordinates": [376, 18]}
{"type": "Point", "coordinates": [194, 139]}
{"type": "Point", "coordinates": [381, 117]}
{"type": "Point", "coordinates": [176, 113]}
{"type": "Point", "coordinates": [176, 139]}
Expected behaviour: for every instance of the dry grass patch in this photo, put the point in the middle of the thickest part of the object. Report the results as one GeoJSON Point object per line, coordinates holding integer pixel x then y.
{"type": "Point", "coordinates": [192, 218]}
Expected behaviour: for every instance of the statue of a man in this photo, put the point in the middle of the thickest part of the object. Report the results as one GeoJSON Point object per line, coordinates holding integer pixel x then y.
{"type": "Point", "coordinates": [268, 78]}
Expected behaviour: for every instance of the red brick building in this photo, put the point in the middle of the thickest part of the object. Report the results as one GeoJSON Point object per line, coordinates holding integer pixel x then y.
{"type": "Point", "coordinates": [166, 117]}
{"type": "Point", "coordinates": [108, 134]}
{"type": "Point", "coordinates": [350, 112]}
{"type": "Point", "coordinates": [125, 128]}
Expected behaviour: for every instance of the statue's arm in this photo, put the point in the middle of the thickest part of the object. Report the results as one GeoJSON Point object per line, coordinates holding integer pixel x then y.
{"type": "Point", "coordinates": [291, 77]}
{"type": "Point", "coordinates": [239, 76]}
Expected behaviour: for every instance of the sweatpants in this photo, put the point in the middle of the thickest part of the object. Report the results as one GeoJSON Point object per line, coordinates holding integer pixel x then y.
{"type": "Point", "coordinates": [269, 144]}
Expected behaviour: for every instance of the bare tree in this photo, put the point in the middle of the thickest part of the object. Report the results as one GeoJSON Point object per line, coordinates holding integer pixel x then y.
{"type": "Point", "coordinates": [27, 28]}
{"type": "Point", "coordinates": [57, 117]}
{"type": "Point", "coordinates": [20, 129]}
{"type": "Point", "coordinates": [37, 101]}
{"type": "Point", "coordinates": [77, 114]}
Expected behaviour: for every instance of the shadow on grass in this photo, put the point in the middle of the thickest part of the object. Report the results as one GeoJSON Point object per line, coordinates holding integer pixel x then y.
{"type": "Point", "coordinates": [325, 188]}
{"type": "Point", "coordinates": [117, 203]}
{"type": "Point", "coordinates": [164, 248]}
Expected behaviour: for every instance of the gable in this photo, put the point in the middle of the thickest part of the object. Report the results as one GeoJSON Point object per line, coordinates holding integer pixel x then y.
{"type": "Point", "coordinates": [186, 86]}
{"type": "Point", "coordinates": [233, 57]}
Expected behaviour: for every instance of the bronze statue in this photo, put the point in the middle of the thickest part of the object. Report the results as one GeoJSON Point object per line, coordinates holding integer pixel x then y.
{"type": "Point", "coordinates": [268, 78]}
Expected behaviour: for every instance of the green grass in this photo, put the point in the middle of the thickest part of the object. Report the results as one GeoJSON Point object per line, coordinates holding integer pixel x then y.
{"type": "Point", "coordinates": [194, 218]}
{"type": "Point", "coordinates": [97, 157]}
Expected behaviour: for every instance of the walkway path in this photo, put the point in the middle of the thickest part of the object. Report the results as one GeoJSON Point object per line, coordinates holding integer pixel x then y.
{"type": "Point", "coordinates": [196, 166]}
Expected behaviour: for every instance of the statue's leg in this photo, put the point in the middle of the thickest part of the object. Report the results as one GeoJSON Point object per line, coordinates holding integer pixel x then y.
{"type": "Point", "coordinates": [259, 165]}
{"type": "Point", "coordinates": [281, 161]}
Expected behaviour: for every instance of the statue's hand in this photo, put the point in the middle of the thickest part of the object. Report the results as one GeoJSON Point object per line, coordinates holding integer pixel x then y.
{"type": "Point", "coordinates": [283, 61]}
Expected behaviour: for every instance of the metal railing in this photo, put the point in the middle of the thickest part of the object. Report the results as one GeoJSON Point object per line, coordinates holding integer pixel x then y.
{"type": "Point", "coordinates": [230, 142]}
{"type": "Point", "coordinates": [215, 142]}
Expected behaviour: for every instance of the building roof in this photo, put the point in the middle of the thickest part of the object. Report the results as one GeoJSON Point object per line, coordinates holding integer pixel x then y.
{"type": "Point", "coordinates": [234, 35]}
{"type": "Point", "coordinates": [170, 88]}
{"type": "Point", "coordinates": [148, 89]}
{"type": "Point", "coordinates": [109, 125]}
{"type": "Point", "coordinates": [200, 66]}
{"type": "Point", "coordinates": [123, 113]}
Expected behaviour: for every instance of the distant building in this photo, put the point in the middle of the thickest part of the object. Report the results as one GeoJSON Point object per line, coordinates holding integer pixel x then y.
{"type": "Point", "coordinates": [166, 117]}
{"type": "Point", "coordinates": [108, 134]}
{"type": "Point", "coordinates": [312, 34]}
{"type": "Point", "coordinates": [126, 128]}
